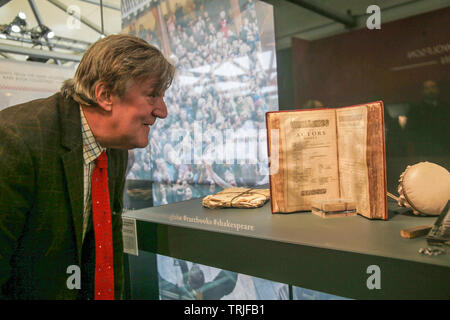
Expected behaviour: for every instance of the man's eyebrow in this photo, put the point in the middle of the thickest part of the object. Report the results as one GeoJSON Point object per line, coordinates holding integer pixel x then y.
{"type": "Point", "coordinates": [150, 90]}
{"type": "Point", "coordinates": [153, 88]}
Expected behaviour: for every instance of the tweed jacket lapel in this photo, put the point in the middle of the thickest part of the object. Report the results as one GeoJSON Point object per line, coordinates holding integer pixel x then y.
{"type": "Point", "coordinates": [72, 160]}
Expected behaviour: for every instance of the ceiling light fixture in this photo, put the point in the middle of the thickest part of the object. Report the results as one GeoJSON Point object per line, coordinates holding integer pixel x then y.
{"type": "Point", "coordinates": [22, 15]}
{"type": "Point", "coordinates": [46, 32]}
{"type": "Point", "coordinates": [19, 24]}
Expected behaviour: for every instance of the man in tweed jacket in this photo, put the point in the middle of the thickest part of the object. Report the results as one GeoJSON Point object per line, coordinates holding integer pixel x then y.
{"type": "Point", "coordinates": [47, 150]}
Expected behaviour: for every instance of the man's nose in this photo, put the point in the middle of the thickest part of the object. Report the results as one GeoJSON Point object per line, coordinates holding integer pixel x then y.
{"type": "Point", "coordinates": [161, 109]}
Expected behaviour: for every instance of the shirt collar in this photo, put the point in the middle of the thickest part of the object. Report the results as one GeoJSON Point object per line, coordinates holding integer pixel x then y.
{"type": "Point", "coordinates": [91, 148]}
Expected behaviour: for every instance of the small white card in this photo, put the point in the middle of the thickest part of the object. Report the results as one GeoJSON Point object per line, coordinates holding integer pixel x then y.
{"type": "Point", "coordinates": [130, 244]}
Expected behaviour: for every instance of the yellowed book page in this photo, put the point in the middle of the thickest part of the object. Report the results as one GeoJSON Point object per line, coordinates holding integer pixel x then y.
{"type": "Point", "coordinates": [310, 151]}
{"type": "Point", "coordinates": [352, 150]}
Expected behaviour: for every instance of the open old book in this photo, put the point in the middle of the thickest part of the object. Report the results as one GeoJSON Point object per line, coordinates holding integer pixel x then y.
{"type": "Point", "coordinates": [321, 154]}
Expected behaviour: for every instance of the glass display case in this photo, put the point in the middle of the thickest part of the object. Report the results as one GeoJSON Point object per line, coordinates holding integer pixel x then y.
{"type": "Point", "coordinates": [234, 66]}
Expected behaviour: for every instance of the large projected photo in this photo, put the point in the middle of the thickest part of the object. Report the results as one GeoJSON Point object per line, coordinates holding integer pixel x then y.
{"type": "Point", "coordinates": [214, 135]}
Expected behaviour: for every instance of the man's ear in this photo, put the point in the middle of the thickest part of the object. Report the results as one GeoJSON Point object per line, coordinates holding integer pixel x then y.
{"type": "Point", "coordinates": [103, 96]}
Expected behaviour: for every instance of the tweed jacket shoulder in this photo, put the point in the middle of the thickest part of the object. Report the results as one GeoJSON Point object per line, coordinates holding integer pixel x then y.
{"type": "Point", "coordinates": [41, 199]}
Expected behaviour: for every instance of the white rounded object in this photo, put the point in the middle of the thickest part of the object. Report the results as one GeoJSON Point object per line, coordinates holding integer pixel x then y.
{"type": "Point", "coordinates": [424, 187]}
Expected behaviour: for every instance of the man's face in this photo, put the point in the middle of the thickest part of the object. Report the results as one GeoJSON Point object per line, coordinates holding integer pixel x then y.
{"type": "Point", "coordinates": [133, 115]}
{"type": "Point", "coordinates": [430, 89]}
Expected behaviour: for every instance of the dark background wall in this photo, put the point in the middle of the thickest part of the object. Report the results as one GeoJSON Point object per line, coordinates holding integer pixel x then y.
{"type": "Point", "coordinates": [390, 64]}
{"type": "Point", "coordinates": [285, 79]}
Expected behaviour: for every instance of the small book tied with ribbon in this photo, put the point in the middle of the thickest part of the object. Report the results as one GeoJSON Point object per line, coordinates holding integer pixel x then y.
{"type": "Point", "coordinates": [237, 198]}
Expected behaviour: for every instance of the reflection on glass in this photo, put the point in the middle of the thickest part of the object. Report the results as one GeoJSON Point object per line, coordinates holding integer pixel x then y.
{"type": "Point", "coordinates": [183, 280]}
{"type": "Point", "coordinates": [307, 294]}
{"type": "Point", "coordinates": [214, 136]}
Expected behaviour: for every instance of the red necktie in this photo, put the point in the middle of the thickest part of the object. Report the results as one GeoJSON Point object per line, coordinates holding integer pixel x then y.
{"type": "Point", "coordinates": [101, 215]}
